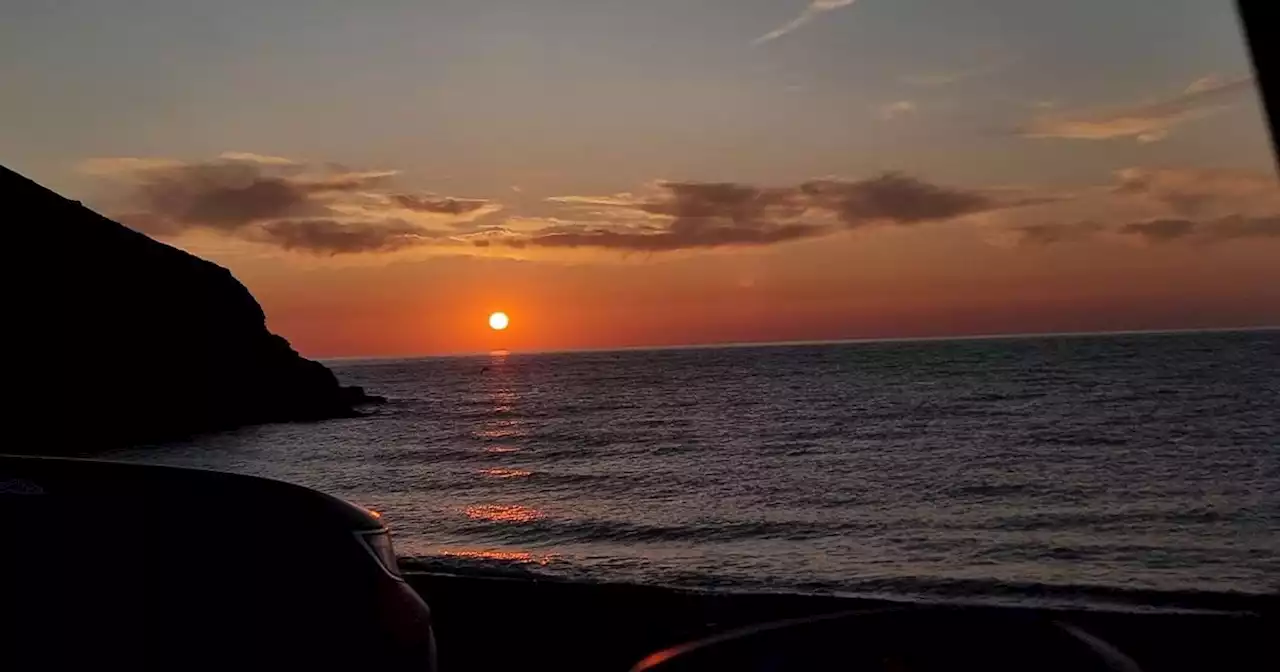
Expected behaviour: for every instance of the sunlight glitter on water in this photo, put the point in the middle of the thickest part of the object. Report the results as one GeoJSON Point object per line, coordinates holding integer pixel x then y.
{"type": "Point", "coordinates": [518, 557]}
{"type": "Point", "coordinates": [506, 473]}
{"type": "Point", "coordinates": [503, 513]}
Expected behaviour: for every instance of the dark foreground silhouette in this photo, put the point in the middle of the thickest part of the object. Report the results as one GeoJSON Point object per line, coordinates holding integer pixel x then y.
{"type": "Point", "coordinates": [489, 623]}
{"type": "Point", "coordinates": [118, 339]}
{"type": "Point", "coordinates": [128, 566]}
{"type": "Point", "coordinates": [138, 567]}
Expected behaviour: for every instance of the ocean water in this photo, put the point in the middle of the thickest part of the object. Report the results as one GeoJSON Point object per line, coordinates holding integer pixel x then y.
{"type": "Point", "coordinates": [973, 467]}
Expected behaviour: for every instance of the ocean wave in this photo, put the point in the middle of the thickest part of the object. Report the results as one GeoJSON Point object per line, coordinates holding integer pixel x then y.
{"type": "Point", "coordinates": [908, 589]}
{"type": "Point", "coordinates": [522, 526]}
{"type": "Point", "coordinates": [1124, 461]}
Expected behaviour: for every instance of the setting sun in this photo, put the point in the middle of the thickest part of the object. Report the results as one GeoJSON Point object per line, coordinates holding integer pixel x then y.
{"type": "Point", "coordinates": [498, 321]}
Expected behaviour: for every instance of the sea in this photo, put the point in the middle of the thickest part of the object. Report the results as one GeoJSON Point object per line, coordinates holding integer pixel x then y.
{"type": "Point", "coordinates": [1048, 467]}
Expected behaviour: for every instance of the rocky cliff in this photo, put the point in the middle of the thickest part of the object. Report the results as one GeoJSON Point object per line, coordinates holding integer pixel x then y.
{"type": "Point", "coordinates": [115, 338]}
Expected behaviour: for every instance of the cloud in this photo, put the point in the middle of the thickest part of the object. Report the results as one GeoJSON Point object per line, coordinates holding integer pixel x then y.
{"type": "Point", "coordinates": [897, 110]}
{"type": "Point", "coordinates": [1203, 193]}
{"type": "Point", "coordinates": [1150, 122]}
{"type": "Point", "coordinates": [122, 165]}
{"type": "Point", "coordinates": [1208, 83]}
{"type": "Point", "coordinates": [703, 215]}
{"type": "Point", "coordinates": [815, 9]}
{"type": "Point", "coordinates": [327, 236]}
{"type": "Point", "coordinates": [257, 158]}
{"type": "Point", "coordinates": [226, 195]}
{"type": "Point", "coordinates": [439, 205]}
{"type": "Point", "coordinates": [1225, 228]}
{"type": "Point", "coordinates": [1167, 206]}
{"type": "Point", "coordinates": [722, 200]}
{"type": "Point", "coordinates": [333, 210]}
{"type": "Point", "coordinates": [1161, 230]}
{"type": "Point", "coordinates": [894, 198]}
{"type": "Point", "coordinates": [323, 210]}
{"type": "Point", "coordinates": [684, 235]}
{"type": "Point", "coordinates": [1247, 227]}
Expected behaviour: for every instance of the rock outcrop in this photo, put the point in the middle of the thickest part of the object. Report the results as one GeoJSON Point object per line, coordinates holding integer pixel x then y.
{"type": "Point", "coordinates": [116, 338]}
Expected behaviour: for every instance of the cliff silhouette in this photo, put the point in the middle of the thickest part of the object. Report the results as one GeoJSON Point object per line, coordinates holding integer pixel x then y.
{"type": "Point", "coordinates": [119, 339]}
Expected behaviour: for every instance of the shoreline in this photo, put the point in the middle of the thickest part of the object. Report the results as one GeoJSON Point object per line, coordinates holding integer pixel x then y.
{"type": "Point", "coordinates": [502, 622]}
{"type": "Point", "coordinates": [906, 591]}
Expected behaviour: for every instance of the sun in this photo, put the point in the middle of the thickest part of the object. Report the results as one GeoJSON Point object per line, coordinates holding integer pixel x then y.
{"type": "Point", "coordinates": [498, 321]}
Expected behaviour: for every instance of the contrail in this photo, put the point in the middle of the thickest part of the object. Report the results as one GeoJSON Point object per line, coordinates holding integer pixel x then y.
{"type": "Point", "coordinates": [815, 9]}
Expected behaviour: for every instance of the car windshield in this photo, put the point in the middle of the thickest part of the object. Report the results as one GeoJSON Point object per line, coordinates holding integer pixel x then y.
{"type": "Point", "coordinates": [879, 297]}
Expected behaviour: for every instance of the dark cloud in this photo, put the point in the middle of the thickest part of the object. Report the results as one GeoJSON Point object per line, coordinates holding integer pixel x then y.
{"type": "Point", "coordinates": [323, 210]}
{"type": "Point", "coordinates": [725, 214]}
{"type": "Point", "coordinates": [1162, 230]}
{"type": "Point", "coordinates": [894, 198]}
{"type": "Point", "coordinates": [1246, 227]}
{"type": "Point", "coordinates": [1157, 231]}
{"type": "Point", "coordinates": [1223, 228]}
{"type": "Point", "coordinates": [438, 205]}
{"type": "Point", "coordinates": [1169, 205]}
{"type": "Point", "coordinates": [326, 236]}
{"type": "Point", "coordinates": [702, 215]}
{"type": "Point", "coordinates": [226, 195]}
{"type": "Point", "coordinates": [688, 201]}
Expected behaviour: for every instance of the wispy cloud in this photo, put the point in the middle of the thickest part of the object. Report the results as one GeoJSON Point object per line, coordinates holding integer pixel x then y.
{"type": "Point", "coordinates": [897, 110]}
{"type": "Point", "coordinates": [323, 210]}
{"type": "Point", "coordinates": [252, 157]}
{"type": "Point", "coordinates": [1149, 122]}
{"type": "Point", "coordinates": [815, 9]}
{"type": "Point", "coordinates": [115, 166]}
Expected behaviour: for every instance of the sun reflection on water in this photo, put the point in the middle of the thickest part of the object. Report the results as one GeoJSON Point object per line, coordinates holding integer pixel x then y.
{"type": "Point", "coordinates": [503, 513]}
{"type": "Point", "coordinates": [499, 429]}
{"type": "Point", "coordinates": [499, 472]}
{"type": "Point", "coordinates": [519, 557]}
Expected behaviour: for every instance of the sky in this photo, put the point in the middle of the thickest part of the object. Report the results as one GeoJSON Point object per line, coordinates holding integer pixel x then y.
{"type": "Point", "coordinates": [610, 173]}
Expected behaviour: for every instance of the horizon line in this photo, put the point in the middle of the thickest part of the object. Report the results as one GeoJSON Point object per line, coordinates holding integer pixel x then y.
{"type": "Point", "coordinates": [811, 342]}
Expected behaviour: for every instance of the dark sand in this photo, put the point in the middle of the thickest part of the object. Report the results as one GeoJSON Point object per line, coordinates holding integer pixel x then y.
{"type": "Point", "coordinates": [514, 623]}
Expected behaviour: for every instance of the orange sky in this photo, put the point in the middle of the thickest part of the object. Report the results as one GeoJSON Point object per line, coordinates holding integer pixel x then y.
{"type": "Point", "coordinates": [383, 176]}
{"type": "Point", "coordinates": [919, 285]}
